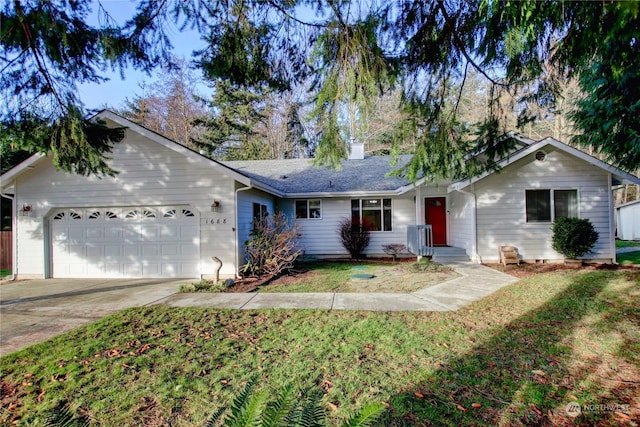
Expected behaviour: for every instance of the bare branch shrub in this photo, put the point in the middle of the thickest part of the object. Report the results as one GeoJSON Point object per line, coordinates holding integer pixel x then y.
{"type": "Point", "coordinates": [272, 247]}
{"type": "Point", "coordinates": [393, 249]}
{"type": "Point", "coordinates": [354, 237]}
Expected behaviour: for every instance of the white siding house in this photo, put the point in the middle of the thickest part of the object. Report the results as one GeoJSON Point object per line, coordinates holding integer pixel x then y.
{"type": "Point", "coordinates": [169, 210]}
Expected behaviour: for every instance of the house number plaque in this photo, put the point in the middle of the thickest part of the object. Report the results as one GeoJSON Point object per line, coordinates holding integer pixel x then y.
{"type": "Point", "coordinates": [215, 221]}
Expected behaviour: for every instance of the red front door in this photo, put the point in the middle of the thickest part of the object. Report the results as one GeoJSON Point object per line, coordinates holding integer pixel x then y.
{"type": "Point", "coordinates": [435, 214]}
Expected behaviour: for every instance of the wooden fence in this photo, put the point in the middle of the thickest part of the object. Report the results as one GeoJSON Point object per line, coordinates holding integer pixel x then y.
{"type": "Point", "coordinates": [5, 250]}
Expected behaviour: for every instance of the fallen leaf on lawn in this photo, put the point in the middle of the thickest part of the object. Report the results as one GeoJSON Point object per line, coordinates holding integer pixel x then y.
{"type": "Point", "coordinates": [419, 395]}
{"type": "Point", "coordinates": [332, 406]}
{"type": "Point", "coordinates": [623, 416]}
{"type": "Point", "coordinates": [476, 405]}
{"type": "Point", "coordinates": [538, 372]}
{"type": "Point", "coordinates": [462, 408]}
{"type": "Point", "coordinates": [224, 382]}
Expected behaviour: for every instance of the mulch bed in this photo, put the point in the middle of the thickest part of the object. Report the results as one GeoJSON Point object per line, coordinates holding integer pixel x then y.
{"type": "Point", "coordinates": [529, 269]}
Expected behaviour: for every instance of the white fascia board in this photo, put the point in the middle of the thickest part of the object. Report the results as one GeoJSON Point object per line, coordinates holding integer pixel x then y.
{"type": "Point", "coordinates": [231, 173]}
{"type": "Point", "coordinates": [8, 178]}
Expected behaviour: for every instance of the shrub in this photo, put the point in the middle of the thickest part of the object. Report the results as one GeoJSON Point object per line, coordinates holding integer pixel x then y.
{"type": "Point", "coordinates": [573, 237]}
{"type": "Point", "coordinates": [272, 247]}
{"type": "Point", "coordinates": [394, 249]}
{"type": "Point", "coordinates": [354, 237]}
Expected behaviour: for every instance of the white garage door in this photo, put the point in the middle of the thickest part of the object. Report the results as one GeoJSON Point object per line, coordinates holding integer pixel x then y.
{"type": "Point", "coordinates": [126, 242]}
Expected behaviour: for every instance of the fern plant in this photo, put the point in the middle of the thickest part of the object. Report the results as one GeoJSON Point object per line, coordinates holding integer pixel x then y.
{"type": "Point", "coordinates": [63, 416]}
{"type": "Point", "coordinates": [291, 407]}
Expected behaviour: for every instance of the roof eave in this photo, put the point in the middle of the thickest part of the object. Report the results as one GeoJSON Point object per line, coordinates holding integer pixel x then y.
{"type": "Point", "coordinates": [8, 178]}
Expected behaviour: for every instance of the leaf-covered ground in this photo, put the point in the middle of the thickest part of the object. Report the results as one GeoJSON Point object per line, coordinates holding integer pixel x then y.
{"type": "Point", "coordinates": [517, 357]}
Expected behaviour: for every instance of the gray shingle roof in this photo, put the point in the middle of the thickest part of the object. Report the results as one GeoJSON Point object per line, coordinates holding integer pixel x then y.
{"type": "Point", "coordinates": [300, 176]}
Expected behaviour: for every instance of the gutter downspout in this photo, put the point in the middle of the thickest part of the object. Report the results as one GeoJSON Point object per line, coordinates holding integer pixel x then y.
{"type": "Point", "coordinates": [237, 256]}
{"type": "Point", "coordinates": [14, 235]}
{"type": "Point", "coordinates": [474, 224]}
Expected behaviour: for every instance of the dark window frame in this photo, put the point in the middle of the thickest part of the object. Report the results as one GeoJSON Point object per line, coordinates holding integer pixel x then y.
{"type": "Point", "coordinates": [363, 211]}
{"type": "Point", "coordinates": [547, 204]}
{"type": "Point", "coordinates": [304, 210]}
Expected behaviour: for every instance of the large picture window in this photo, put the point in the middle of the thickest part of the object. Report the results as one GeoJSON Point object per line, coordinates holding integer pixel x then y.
{"type": "Point", "coordinates": [308, 209]}
{"type": "Point", "coordinates": [375, 214]}
{"type": "Point", "coordinates": [547, 205]}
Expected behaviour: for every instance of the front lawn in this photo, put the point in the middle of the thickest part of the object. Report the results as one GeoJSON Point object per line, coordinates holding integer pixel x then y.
{"type": "Point", "coordinates": [5, 273]}
{"type": "Point", "coordinates": [628, 258]}
{"type": "Point", "coordinates": [517, 357]}
{"type": "Point", "coordinates": [406, 276]}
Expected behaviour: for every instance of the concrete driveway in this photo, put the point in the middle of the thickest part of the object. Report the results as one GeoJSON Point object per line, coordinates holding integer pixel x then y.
{"type": "Point", "coordinates": [32, 311]}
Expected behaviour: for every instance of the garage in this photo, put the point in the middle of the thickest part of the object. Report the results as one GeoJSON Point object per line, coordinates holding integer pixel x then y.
{"type": "Point", "coordinates": [125, 242]}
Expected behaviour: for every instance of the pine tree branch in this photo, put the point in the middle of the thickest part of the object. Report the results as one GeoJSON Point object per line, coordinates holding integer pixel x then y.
{"type": "Point", "coordinates": [460, 45]}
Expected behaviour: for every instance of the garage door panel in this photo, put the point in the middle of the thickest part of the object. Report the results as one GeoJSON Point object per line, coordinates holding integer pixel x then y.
{"type": "Point", "coordinates": [113, 233]}
{"type": "Point", "coordinates": [188, 251]}
{"type": "Point", "coordinates": [76, 233]}
{"type": "Point", "coordinates": [150, 232]}
{"type": "Point", "coordinates": [169, 231]}
{"type": "Point", "coordinates": [170, 249]}
{"type": "Point", "coordinates": [189, 232]}
{"type": "Point", "coordinates": [95, 233]}
{"type": "Point", "coordinates": [114, 251]}
{"type": "Point", "coordinates": [150, 251]}
{"type": "Point", "coordinates": [147, 243]}
{"type": "Point", "coordinates": [94, 251]}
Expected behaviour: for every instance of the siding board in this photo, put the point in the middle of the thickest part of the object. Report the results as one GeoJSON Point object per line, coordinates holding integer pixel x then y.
{"type": "Point", "coordinates": [501, 208]}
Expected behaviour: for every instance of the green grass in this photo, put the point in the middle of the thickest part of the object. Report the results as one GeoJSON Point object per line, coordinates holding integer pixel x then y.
{"type": "Point", "coordinates": [327, 277]}
{"type": "Point", "coordinates": [337, 277]}
{"type": "Point", "coordinates": [517, 357]}
{"type": "Point", "coordinates": [629, 258]}
{"type": "Point", "coordinates": [4, 273]}
{"type": "Point", "coordinates": [627, 243]}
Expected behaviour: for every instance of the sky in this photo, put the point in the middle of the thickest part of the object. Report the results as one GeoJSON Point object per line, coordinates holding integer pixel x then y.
{"type": "Point", "coordinates": [114, 92]}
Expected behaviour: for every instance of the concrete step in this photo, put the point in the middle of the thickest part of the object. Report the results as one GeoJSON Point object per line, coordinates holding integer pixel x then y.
{"type": "Point", "coordinates": [445, 254]}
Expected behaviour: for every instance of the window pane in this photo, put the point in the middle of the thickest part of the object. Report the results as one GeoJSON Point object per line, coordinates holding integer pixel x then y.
{"type": "Point", "coordinates": [355, 212]}
{"type": "Point", "coordinates": [565, 203]}
{"type": "Point", "coordinates": [387, 219]}
{"type": "Point", "coordinates": [301, 209]}
{"type": "Point", "coordinates": [372, 219]}
{"type": "Point", "coordinates": [538, 205]}
{"type": "Point", "coordinates": [314, 209]}
{"type": "Point", "coordinates": [371, 204]}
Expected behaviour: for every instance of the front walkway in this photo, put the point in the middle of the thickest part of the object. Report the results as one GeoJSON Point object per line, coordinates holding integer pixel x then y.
{"type": "Point", "coordinates": [475, 282]}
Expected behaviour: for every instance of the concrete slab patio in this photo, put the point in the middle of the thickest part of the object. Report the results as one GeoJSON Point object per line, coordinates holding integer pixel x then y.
{"type": "Point", "coordinates": [36, 310]}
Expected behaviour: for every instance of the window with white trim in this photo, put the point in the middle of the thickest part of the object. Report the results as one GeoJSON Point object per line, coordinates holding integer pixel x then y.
{"type": "Point", "coordinates": [547, 205]}
{"type": "Point", "coordinates": [309, 209]}
{"type": "Point", "coordinates": [375, 214]}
